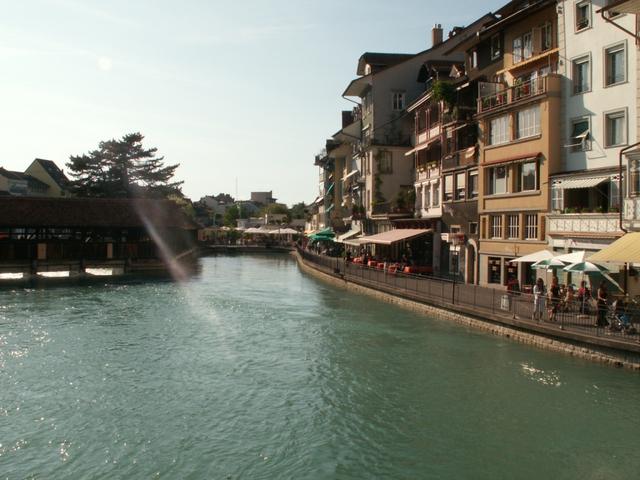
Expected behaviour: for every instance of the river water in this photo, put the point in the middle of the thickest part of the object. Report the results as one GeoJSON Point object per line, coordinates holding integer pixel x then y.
{"type": "Point", "coordinates": [253, 370]}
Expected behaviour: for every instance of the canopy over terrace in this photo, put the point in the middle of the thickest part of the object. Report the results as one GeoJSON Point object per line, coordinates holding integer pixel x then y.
{"type": "Point", "coordinates": [393, 236]}
{"type": "Point", "coordinates": [624, 250]}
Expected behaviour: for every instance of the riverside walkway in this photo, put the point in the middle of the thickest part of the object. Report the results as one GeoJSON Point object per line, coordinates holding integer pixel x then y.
{"type": "Point", "coordinates": [486, 304]}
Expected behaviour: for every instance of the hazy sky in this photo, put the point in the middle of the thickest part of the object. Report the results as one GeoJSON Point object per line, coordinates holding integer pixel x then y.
{"type": "Point", "coordinates": [228, 89]}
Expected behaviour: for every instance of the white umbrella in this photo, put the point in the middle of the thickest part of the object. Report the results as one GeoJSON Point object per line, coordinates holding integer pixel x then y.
{"type": "Point", "coordinates": [573, 257]}
{"type": "Point", "coordinates": [534, 257]}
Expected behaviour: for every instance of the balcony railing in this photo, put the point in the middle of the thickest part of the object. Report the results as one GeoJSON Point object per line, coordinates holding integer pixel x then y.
{"type": "Point", "coordinates": [532, 88]}
{"type": "Point", "coordinates": [581, 223]}
{"type": "Point", "coordinates": [461, 158]}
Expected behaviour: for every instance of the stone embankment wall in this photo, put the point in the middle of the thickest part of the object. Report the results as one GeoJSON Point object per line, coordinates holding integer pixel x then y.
{"type": "Point", "coordinates": [599, 354]}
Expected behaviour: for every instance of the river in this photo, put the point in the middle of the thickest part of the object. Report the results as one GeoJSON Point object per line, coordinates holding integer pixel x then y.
{"type": "Point", "coordinates": [253, 370]}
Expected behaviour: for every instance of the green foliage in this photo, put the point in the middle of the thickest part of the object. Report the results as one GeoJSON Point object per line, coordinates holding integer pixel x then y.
{"type": "Point", "coordinates": [185, 204]}
{"type": "Point", "coordinates": [122, 168]}
{"type": "Point", "coordinates": [298, 210]}
{"type": "Point", "coordinates": [230, 216]}
{"type": "Point", "coordinates": [444, 91]}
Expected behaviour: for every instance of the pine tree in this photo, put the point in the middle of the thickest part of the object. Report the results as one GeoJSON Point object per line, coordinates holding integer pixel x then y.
{"type": "Point", "coordinates": [123, 168]}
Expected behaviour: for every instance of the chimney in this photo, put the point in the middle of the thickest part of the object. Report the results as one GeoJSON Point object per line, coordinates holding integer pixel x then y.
{"type": "Point", "coordinates": [436, 34]}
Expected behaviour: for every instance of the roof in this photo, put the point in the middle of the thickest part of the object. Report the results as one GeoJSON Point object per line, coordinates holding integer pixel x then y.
{"type": "Point", "coordinates": [54, 171]}
{"type": "Point", "coordinates": [393, 236]}
{"type": "Point", "coordinates": [622, 6]}
{"type": "Point", "coordinates": [33, 182]}
{"type": "Point", "coordinates": [624, 250]}
{"type": "Point", "coordinates": [92, 212]}
{"type": "Point", "coordinates": [380, 61]}
{"type": "Point", "coordinates": [12, 175]}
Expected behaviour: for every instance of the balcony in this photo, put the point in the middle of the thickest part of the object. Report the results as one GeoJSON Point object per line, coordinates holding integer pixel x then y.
{"type": "Point", "coordinates": [461, 158]}
{"type": "Point", "coordinates": [518, 93]}
{"type": "Point", "coordinates": [631, 212]}
{"type": "Point", "coordinates": [584, 224]}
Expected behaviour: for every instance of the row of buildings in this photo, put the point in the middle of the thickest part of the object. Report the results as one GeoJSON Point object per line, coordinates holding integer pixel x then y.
{"type": "Point", "coordinates": [513, 134]}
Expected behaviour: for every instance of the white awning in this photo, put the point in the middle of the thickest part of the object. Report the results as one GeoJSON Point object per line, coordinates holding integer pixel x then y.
{"type": "Point", "coordinates": [350, 234]}
{"type": "Point", "coordinates": [572, 183]}
{"type": "Point", "coordinates": [393, 236]}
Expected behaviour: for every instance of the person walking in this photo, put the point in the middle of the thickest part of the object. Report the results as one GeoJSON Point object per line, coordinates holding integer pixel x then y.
{"type": "Point", "coordinates": [539, 294]}
{"type": "Point", "coordinates": [602, 305]}
{"type": "Point", "coordinates": [554, 297]}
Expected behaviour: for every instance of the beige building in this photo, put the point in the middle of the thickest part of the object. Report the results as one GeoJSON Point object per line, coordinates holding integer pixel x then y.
{"type": "Point", "coordinates": [519, 142]}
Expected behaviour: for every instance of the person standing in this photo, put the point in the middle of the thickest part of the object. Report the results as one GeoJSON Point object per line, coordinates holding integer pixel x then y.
{"type": "Point", "coordinates": [554, 297]}
{"type": "Point", "coordinates": [602, 305]}
{"type": "Point", "coordinates": [539, 293]}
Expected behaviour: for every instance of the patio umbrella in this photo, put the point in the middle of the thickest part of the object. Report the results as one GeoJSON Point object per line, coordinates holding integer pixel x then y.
{"type": "Point", "coordinates": [573, 257]}
{"type": "Point", "coordinates": [534, 257]}
{"type": "Point", "coordinates": [585, 267]}
{"type": "Point", "coordinates": [588, 268]}
{"type": "Point", "coordinates": [549, 264]}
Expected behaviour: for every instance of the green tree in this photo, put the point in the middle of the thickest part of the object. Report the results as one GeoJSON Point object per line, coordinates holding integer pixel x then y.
{"type": "Point", "coordinates": [298, 210]}
{"type": "Point", "coordinates": [275, 208]}
{"type": "Point", "coordinates": [123, 168]}
{"type": "Point", "coordinates": [231, 215]}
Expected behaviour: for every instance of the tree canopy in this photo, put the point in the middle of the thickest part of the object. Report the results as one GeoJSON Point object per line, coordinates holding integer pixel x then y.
{"type": "Point", "coordinates": [123, 168]}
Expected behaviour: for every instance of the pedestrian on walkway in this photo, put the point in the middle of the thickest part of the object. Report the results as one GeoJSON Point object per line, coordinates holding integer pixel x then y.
{"type": "Point", "coordinates": [539, 293]}
{"type": "Point", "coordinates": [602, 305]}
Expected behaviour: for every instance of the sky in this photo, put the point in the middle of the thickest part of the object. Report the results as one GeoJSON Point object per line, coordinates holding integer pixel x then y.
{"type": "Point", "coordinates": [242, 94]}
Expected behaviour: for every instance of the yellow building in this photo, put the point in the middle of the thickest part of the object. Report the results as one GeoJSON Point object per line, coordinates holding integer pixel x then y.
{"type": "Point", "coordinates": [518, 115]}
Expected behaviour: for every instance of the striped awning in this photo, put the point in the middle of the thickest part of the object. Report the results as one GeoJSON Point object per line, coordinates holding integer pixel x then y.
{"type": "Point", "coordinates": [624, 250]}
{"type": "Point", "coordinates": [350, 234]}
{"type": "Point", "coordinates": [573, 183]}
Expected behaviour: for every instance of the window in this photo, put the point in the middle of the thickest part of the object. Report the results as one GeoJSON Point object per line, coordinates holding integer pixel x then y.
{"type": "Point", "coordinates": [385, 161]}
{"type": "Point", "coordinates": [496, 47]}
{"type": "Point", "coordinates": [436, 194]}
{"type": "Point", "coordinates": [513, 230]}
{"type": "Point", "coordinates": [448, 188]}
{"type": "Point", "coordinates": [496, 226]}
{"type": "Point", "coordinates": [397, 100]}
{"type": "Point", "coordinates": [473, 228]}
{"type": "Point", "coordinates": [615, 125]}
{"type": "Point", "coordinates": [528, 176]}
{"type": "Point", "coordinates": [497, 180]}
{"type": "Point", "coordinates": [581, 75]}
{"type": "Point", "coordinates": [557, 198]}
{"type": "Point", "coordinates": [546, 36]}
{"type": "Point", "coordinates": [473, 185]}
{"type": "Point", "coordinates": [517, 49]}
{"type": "Point", "coordinates": [527, 45]}
{"type": "Point", "coordinates": [583, 15]}
{"type": "Point", "coordinates": [427, 196]}
{"type": "Point", "coordinates": [615, 65]}
{"type": "Point", "coordinates": [528, 122]}
{"type": "Point", "coordinates": [499, 130]}
{"type": "Point", "coordinates": [495, 265]}
{"type": "Point", "coordinates": [461, 185]}
{"type": "Point", "coordinates": [580, 137]}
{"type": "Point", "coordinates": [474, 59]}
{"type": "Point", "coordinates": [531, 226]}
{"type": "Point", "coordinates": [367, 102]}
{"type": "Point", "coordinates": [634, 178]}
{"type": "Point", "coordinates": [614, 193]}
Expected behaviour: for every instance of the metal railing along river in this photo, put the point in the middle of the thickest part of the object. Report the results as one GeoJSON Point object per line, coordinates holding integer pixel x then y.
{"type": "Point", "coordinates": [620, 324]}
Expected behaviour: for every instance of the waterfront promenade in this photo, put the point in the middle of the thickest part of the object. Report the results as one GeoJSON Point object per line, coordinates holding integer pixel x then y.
{"type": "Point", "coordinates": [572, 331]}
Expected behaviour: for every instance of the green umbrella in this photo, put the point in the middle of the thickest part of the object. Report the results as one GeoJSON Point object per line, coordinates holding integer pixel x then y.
{"type": "Point", "coordinates": [548, 264]}
{"type": "Point", "coordinates": [586, 267]}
